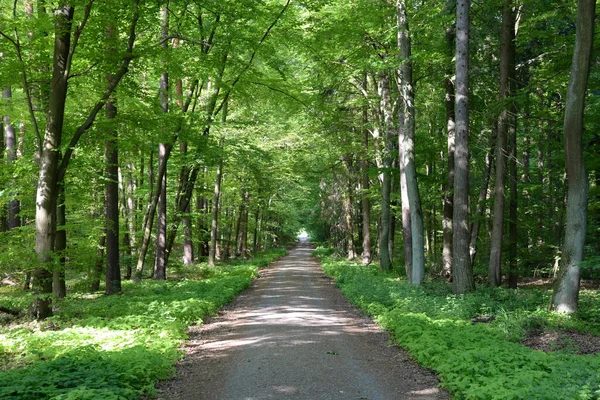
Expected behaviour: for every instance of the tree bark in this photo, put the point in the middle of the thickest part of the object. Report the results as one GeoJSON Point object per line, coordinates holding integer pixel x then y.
{"type": "Point", "coordinates": [47, 189]}
{"type": "Point", "coordinates": [386, 184]}
{"type": "Point", "coordinates": [215, 215]}
{"type": "Point", "coordinates": [111, 159]}
{"type": "Point", "coordinates": [365, 184]}
{"type": "Point", "coordinates": [407, 147]}
{"type": "Point", "coordinates": [483, 193]}
{"type": "Point", "coordinates": [448, 199]}
{"type": "Point", "coordinates": [462, 272]}
{"type": "Point", "coordinates": [566, 288]}
{"type": "Point", "coordinates": [10, 141]}
{"type": "Point", "coordinates": [160, 261]}
{"type": "Point", "coordinates": [507, 83]}
{"type": "Point", "coordinates": [59, 286]}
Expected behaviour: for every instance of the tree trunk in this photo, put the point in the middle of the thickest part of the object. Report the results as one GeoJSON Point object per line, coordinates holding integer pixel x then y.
{"type": "Point", "coordinates": [47, 190]}
{"type": "Point", "coordinates": [98, 269]}
{"type": "Point", "coordinates": [111, 159]}
{"type": "Point", "coordinates": [215, 216]}
{"type": "Point", "coordinates": [483, 193]}
{"type": "Point", "coordinates": [566, 288]}
{"type": "Point", "coordinates": [365, 184]}
{"type": "Point", "coordinates": [386, 185]}
{"type": "Point", "coordinates": [407, 147]}
{"type": "Point", "coordinates": [507, 82]}
{"type": "Point", "coordinates": [448, 199]}
{"type": "Point", "coordinates": [59, 286]}
{"type": "Point", "coordinates": [462, 273]}
{"type": "Point", "coordinates": [10, 141]}
{"type": "Point", "coordinates": [160, 261]}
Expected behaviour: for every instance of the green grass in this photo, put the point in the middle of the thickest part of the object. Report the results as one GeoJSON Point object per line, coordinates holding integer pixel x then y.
{"type": "Point", "coordinates": [113, 347]}
{"type": "Point", "coordinates": [477, 361]}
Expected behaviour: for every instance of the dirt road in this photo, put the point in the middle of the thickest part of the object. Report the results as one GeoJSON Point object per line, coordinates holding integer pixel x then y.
{"type": "Point", "coordinates": [293, 336]}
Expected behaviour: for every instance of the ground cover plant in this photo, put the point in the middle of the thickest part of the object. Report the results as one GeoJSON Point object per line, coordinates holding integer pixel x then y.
{"type": "Point", "coordinates": [113, 347]}
{"type": "Point", "coordinates": [473, 341]}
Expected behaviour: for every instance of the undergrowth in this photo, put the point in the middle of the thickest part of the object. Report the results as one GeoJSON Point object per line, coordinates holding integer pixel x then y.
{"type": "Point", "coordinates": [476, 360]}
{"type": "Point", "coordinates": [113, 347]}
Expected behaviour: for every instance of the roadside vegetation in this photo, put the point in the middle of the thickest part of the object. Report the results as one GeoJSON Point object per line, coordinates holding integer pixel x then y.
{"type": "Point", "coordinates": [473, 341]}
{"type": "Point", "coordinates": [113, 347]}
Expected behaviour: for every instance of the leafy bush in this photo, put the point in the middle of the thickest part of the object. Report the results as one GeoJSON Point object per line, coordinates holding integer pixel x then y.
{"type": "Point", "coordinates": [114, 347]}
{"type": "Point", "coordinates": [473, 360]}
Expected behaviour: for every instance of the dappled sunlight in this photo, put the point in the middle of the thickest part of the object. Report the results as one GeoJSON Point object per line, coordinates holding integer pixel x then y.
{"type": "Point", "coordinates": [292, 336]}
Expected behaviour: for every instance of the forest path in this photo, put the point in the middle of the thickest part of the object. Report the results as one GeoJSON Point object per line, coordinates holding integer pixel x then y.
{"type": "Point", "coordinates": [292, 335]}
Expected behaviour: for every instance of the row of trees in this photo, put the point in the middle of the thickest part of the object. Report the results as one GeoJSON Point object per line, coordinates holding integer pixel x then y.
{"type": "Point", "coordinates": [137, 119]}
{"type": "Point", "coordinates": [428, 135]}
{"type": "Point", "coordinates": [461, 103]}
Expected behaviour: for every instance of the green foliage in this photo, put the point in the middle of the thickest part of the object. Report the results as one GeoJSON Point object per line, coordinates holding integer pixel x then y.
{"type": "Point", "coordinates": [475, 360]}
{"type": "Point", "coordinates": [114, 347]}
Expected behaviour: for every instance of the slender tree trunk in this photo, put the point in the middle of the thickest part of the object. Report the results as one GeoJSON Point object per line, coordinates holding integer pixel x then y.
{"type": "Point", "coordinates": [243, 234]}
{"type": "Point", "coordinates": [59, 286]}
{"type": "Point", "coordinates": [507, 78]}
{"type": "Point", "coordinates": [366, 206]}
{"type": "Point", "coordinates": [10, 141]}
{"type": "Point", "coordinates": [47, 189]}
{"type": "Point", "coordinates": [160, 261]}
{"type": "Point", "coordinates": [513, 271]}
{"type": "Point", "coordinates": [407, 147]}
{"type": "Point", "coordinates": [483, 193]}
{"type": "Point", "coordinates": [566, 289]}
{"type": "Point", "coordinates": [256, 229]}
{"type": "Point", "coordinates": [111, 159]}
{"type": "Point", "coordinates": [348, 212]}
{"type": "Point", "coordinates": [212, 251]}
{"type": "Point", "coordinates": [448, 199]}
{"type": "Point", "coordinates": [462, 273]}
{"type": "Point", "coordinates": [386, 185]}
{"type": "Point", "coordinates": [99, 267]}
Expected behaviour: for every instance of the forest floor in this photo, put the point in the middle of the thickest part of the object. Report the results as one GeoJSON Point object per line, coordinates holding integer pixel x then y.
{"type": "Point", "coordinates": [292, 335]}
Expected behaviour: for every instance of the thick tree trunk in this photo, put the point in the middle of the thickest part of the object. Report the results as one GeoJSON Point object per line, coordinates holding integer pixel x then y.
{"type": "Point", "coordinates": [386, 184]}
{"type": "Point", "coordinates": [462, 273]}
{"type": "Point", "coordinates": [407, 147]}
{"type": "Point", "coordinates": [47, 189]}
{"type": "Point", "coordinates": [566, 288]}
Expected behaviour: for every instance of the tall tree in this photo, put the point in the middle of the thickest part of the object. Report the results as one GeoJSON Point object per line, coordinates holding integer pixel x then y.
{"type": "Point", "coordinates": [462, 272]}
{"type": "Point", "coordinates": [566, 287]}
{"type": "Point", "coordinates": [507, 117]}
{"type": "Point", "coordinates": [160, 261]}
{"type": "Point", "coordinates": [386, 184]}
{"type": "Point", "coordinates": [47, 190]}
{"type": "Point", "coordinates": [406, 122]}
{"type": "Point", "coordinates": [111, 209]}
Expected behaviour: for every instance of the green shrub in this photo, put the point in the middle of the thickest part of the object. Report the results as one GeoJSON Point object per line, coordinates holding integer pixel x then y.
{"type": "Point", "coordinates": [474, 360]}
{"type": "Point", "coordinates": [114, 347]}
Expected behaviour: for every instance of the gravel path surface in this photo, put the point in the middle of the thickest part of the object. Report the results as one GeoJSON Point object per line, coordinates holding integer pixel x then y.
{"type": "Point", "coordinates": [293, 336]}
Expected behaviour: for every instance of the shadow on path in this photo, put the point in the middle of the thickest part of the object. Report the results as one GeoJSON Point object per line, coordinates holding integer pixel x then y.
{"type": "Point", "coordinates": [294, 336]}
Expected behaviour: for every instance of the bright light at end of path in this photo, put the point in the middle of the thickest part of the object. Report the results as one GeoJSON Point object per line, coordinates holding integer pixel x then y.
{"type": "Point", "coordinates": [303, 235]}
